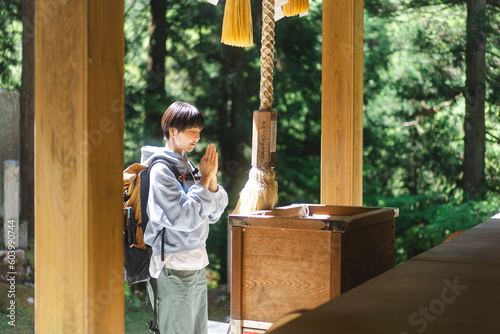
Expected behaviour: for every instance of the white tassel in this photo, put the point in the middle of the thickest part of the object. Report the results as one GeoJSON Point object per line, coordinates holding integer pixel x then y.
{"type": "Point", "coordinates": [260, 192]}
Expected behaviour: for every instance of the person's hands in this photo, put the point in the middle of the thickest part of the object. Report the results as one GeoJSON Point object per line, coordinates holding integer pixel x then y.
{"type": "Point", "coordinates": [209, 165]}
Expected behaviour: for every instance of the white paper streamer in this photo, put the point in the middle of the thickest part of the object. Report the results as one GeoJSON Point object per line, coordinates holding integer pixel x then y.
{"type": "Point", "coordinates": [279, 3]}
{"type": "Point", "coordinates": [278, 14]}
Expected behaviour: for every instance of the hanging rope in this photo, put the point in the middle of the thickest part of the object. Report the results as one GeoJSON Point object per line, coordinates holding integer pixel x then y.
{"type": "Point", "coordinates": [267, 56]}
{"type": "Point", "coordinates": [261, 190]}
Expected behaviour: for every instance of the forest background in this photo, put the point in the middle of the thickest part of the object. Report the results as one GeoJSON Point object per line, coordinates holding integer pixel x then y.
{"type": "Point", "coordinates": [417, 87]}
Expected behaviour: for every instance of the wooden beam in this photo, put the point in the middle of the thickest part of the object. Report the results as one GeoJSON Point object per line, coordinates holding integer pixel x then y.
{"type": "Point", "coordinates": [342, 103]}
{"type": "Point", "coordinates": [79, 55]}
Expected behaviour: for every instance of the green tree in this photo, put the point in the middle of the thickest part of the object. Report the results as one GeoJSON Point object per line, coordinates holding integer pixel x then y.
{"type": "Point", "coordinates": [476, 29]}
{"type": "Point", "coordinates": [157, 52]}
{"type": "Point", "coordinates": [10, 44]}
{"type": "Point", "coordinates": [415, 111]}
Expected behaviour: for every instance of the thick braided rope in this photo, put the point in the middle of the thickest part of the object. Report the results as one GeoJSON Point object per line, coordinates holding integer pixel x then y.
{"type": "Point", "coordinates": [267, 56]}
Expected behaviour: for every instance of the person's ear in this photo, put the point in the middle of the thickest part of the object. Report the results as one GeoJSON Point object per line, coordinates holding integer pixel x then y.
{"type": "Point", "coordinates": [173, 132]}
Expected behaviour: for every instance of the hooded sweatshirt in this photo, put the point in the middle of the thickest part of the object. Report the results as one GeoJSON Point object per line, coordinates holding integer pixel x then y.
{"type": "Point", "coordinates": [184, 210]}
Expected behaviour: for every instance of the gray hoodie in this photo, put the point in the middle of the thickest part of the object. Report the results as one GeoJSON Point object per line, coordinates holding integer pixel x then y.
{"type": "Point", "coordinates": [185, 211]}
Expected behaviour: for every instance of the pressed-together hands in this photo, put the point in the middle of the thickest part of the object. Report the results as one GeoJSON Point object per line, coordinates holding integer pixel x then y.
{"type": "Point", "coordinates": [209, 165]}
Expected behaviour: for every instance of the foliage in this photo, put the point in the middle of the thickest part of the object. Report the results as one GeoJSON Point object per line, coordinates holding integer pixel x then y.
{"type": "Point", "coordinates": [10, 44]}
{"type": "Point", "coordinates": [414, 113]}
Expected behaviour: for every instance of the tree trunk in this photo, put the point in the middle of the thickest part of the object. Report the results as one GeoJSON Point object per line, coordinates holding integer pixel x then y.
{"type": "Point", "coordinates": [474, 125]}
{"type": "Point", "coordinates": [28, 116]}
{"type": "Point", "coordinates": [157, 48]}
{"type": "Point", "coordinates": [233, 162]}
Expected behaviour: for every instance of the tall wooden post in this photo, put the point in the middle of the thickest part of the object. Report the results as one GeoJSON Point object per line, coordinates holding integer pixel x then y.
{"type": "Point", "coordinates": [342, 103]}
{"type": "Point", "coordinates": [79, 51]}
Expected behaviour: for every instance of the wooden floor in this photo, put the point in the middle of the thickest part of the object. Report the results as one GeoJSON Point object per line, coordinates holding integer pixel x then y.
{"type": "Point", "coordinates": [451, 288]}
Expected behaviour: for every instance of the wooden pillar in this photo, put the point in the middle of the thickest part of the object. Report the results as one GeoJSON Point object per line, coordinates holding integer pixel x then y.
{"type": "Point", "coordinates": [79, 51]}
{"type": "Point", "coordinates": [342, 103]}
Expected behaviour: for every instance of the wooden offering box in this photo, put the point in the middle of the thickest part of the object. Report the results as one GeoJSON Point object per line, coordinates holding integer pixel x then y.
{"type": "Point", "coordinates": [301, 256]}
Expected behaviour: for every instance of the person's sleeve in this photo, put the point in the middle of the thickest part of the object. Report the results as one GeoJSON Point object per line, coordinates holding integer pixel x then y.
{"type": "Point", "coordinates": [169, 206]}
{"type": "Point", "coordinates": [221, 200]}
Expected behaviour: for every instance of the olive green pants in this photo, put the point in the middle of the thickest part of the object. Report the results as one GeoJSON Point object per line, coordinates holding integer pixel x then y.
{"type": "Point", "coordinates": [181, 301]}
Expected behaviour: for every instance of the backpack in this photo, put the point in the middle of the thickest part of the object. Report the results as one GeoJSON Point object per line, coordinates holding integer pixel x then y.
{"type": "Point", "coordinates": [137, 254]}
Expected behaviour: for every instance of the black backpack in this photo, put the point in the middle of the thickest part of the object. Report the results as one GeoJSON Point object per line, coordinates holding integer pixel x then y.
{"type": "Point", "coordinates": [137, 254]}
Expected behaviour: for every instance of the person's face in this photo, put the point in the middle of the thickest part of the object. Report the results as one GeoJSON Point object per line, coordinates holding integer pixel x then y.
{"type": "Point", "coordinates": [185, 140]}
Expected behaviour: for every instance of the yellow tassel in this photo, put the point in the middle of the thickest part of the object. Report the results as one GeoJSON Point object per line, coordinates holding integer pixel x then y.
{"type": "Point", "coordinates": [260, 192]}
{"type": "Point", "coordinates": [237, 27]}
{"type": "Point", "coordinates": [295, 7]}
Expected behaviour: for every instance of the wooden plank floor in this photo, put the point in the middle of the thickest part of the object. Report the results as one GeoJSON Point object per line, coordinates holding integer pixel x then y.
{"type": "Point", "coordinates": [451, 288]}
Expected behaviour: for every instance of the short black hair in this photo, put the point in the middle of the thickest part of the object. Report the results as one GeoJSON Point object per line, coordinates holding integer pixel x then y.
{"type": "Point", "coordinates": [181, 116]}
